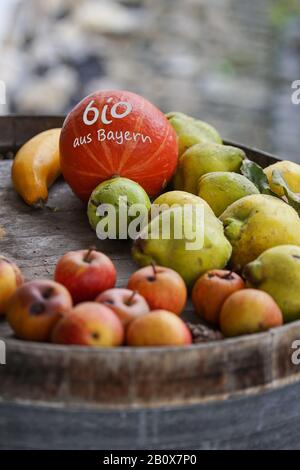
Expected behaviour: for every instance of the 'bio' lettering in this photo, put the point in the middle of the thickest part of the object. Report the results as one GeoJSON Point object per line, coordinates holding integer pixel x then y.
{"type": "Point", "coordinates": [92, 113]}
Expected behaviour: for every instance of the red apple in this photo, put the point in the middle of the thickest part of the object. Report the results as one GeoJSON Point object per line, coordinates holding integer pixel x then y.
{"type": "Point", "coordinates": [85, 273]}
{"type": "Point", "coordinates": [10, 279]}
{"type": "Point", "coordinates": [162, 288]}
{"type": "Point", "coordinates": [211, 290]}
{"type": "Point", "coordinates": [90, 324]}
{"type": "Point", "coordinates": [127, 304]}
{"type": "Point", "coordinates": [249, 311]}
{"type": "Point", "coordinates": [36, 307]}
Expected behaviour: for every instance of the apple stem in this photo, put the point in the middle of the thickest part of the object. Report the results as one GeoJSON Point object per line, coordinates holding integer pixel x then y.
{"type": "Point", "coordinates": [154, 270]}
{"type": "Point", "coordinates": [87, 256]}
{"type": "Point", "coordinates": [129, 301]}
{"type": "Point", "coordinates": [228, 275]}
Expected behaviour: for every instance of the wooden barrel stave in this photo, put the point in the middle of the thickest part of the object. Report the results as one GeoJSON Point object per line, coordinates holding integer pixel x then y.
{"type": "Point", "coordinates": [265, 420]}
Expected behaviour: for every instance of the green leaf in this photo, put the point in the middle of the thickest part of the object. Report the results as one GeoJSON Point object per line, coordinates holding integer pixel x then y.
{"type": "Point", "coordinates": [293, 198]}
{"type": "Point", "coordinates": [256, 175]}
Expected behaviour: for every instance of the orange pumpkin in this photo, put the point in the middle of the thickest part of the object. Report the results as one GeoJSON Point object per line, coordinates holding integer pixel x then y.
{"type": "Point", "coordinates": [114, 132]}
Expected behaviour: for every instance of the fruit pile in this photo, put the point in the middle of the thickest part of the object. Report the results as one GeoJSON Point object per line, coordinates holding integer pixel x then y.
{"type": "Point", "coordinates": [82, 305]}
{"type": "Point", "coordinates": [245, 276]}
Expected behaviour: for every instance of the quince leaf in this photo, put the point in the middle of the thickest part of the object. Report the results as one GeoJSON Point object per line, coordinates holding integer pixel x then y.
{"type": "Point", "coordinates": [292, 198]}
{"type": "Point", "coordinates": [256, 175]}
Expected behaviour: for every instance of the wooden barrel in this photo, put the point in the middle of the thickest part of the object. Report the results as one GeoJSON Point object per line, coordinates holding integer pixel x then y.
{"type": "Point", "coordinates": [228, 394]}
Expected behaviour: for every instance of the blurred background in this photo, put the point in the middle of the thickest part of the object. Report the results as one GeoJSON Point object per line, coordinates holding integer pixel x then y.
{"type": "Point", "coordinates": [229, 62]}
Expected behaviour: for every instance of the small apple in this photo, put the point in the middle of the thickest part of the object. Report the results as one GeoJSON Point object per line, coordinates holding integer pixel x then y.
{"type": "Point", "coordinates": [36, 307]}
{"type": "Point", "coordinates": [211, 290]}
{"type": "Point", "coordinates": [10, 279]}
{"type": "Point", "coordinates": [158, 328]}
{"type": "Point", "coordinates": [89, 324]}
{"type": "Point", "coordinates": [85, 273]}
{"type": "Point", "coordinates": [249, 311]}
{"type": "Point", "coordinates": [126, 304]}
{"type": "Point", "coordinates": [162, 288]}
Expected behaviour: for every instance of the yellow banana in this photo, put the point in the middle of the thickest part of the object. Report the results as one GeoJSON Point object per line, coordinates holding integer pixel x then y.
{"type": "Point", "coordinates": [36, 166]}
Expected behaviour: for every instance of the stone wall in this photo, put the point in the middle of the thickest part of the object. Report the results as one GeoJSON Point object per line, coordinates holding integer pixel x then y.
{"type": "Point", "coordinates": [215, 59]}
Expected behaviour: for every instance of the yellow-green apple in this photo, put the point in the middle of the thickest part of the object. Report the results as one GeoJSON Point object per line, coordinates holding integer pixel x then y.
{"type": "Point", "coordinates": [211, 290]}
{"type": "Point", "coordinates": [90, 324]}
{"type": "Point", "coordinates": [85, 273]}
{"type": "Point", "coordinates": [126, 304]}
{"type": "Point", "coordinates": [163, 288]}
{"type": "Point", "coordinates": [10, 279]}
{"type": "Point", "coordinates": [249, 311]}
{"type": "Point", "coordinates": [36, 307]}
{"type": "Point", "coordinates": [158, 328]}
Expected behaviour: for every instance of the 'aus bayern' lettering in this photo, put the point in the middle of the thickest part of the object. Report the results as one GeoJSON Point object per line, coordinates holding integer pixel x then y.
{"type": "Point", "coordinates": [122, 136]}
{"type": "Point", "coordinates": [85, 139]}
